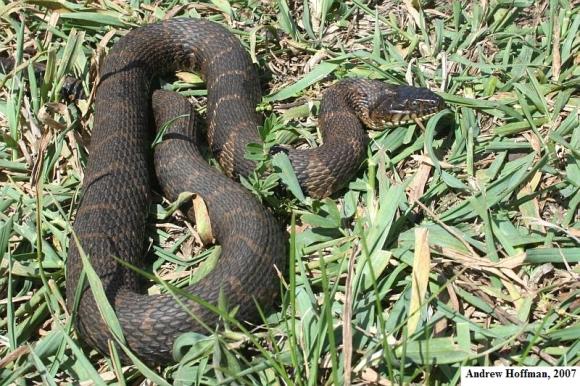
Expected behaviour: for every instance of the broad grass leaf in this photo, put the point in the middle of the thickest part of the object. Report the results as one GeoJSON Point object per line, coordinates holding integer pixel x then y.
{"type": "Point", "coordinates": [435, 351]}
{"type": "Point", "coordinates": [284, 168]}
{"type": "Point", "coordinates": [319, 72]}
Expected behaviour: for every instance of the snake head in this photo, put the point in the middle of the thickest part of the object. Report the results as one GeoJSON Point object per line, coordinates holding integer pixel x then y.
{"type": "Point", "coordinates": [398, 105]}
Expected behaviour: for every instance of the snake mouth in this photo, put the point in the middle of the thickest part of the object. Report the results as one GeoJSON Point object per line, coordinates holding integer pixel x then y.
{"type": "Point", "coordinates": [402, 118]}
{"type": "Point", "coordinates": [399, 118]}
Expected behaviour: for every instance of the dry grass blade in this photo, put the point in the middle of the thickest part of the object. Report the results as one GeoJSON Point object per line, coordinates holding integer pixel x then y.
{"type": "Point", "coordinates": [419, 278]}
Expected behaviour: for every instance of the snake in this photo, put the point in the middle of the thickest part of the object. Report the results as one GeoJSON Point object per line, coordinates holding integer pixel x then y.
{"type": "Point", "coordinates": [111, 219]}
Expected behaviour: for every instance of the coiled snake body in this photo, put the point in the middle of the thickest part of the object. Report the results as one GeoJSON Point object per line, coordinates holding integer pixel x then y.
{"type": "Point", "coordinates": [112, 215]}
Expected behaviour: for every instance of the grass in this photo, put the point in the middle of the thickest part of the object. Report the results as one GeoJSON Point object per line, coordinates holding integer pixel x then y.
{"type": "Point", "coordinates": [457, 244]}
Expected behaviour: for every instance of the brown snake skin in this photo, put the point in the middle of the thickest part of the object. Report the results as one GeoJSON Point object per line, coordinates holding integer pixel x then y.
{"type": "Point", "coordinates": [111, 219]}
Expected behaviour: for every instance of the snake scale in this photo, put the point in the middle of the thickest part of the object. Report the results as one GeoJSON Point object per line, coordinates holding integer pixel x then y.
{"type": "Point", "coordinates": [111, 218]}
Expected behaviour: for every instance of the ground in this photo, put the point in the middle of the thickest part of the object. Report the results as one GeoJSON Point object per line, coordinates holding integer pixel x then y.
{"type": "Point", "coordinates": [457, 243]}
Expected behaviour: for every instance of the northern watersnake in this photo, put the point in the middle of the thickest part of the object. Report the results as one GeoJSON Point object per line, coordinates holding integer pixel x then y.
{"type": "Point", "coordinates": [111, 218]}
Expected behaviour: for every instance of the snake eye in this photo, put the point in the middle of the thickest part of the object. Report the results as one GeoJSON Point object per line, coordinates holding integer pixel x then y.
{"type": "Point", "coordinates": [414, 104]}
